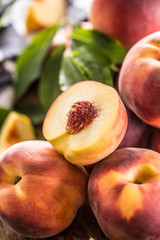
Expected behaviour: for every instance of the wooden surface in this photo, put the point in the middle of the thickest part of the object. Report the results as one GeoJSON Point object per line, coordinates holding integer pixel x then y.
{"type": "Point", "coordinates": [83, 227]}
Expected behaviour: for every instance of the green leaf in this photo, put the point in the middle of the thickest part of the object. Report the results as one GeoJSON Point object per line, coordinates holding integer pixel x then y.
{"type": "Point", "coordinates": [30, 62]}
{"type": "Point", "coordinates": [70, 73]}
{"type": "Point", "coordinates": [35, 112]}
{"type": "Point", "coordinates": [95, 72]}
{"type": "Point", "coordinates": [99, 42]}
{"type": "Point", "coordinates": [91, 54]}
{"type": "Point", "coordinates": [3, 114]}
{"type": "Point", "coordinates": [94, 56]}
{"type": "Point", "coordinates": [75, 69]}
{"type": "Point", "coordinates": [49, 86]}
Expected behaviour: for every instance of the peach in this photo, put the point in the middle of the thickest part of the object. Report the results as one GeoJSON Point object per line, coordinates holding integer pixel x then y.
{"type": "Point", "coordinates": [86, 122]}
{"type": "Point", "coordinates": [128, 21]}
{"type": "Point", "coordinates": [40, 192]}
{"type": "Point", "coordinates": [44, 13]}
{"type": "Point", "coordinates": [155, 140]}
{"type": "Point", "coordinates": [139, 84]}
{"type": "Point", "coordinates": [137, 134]}
{"type": "Point", "coordinates": [16, 128]}
{"type": "Point", "coordinates": [124, 192]}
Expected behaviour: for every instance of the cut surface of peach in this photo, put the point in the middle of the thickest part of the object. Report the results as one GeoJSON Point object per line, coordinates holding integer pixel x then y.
{"type": "Point", "coordinates": [44, 13]}
{"type": "Point", "coordinates": [16, 128]}
{"type": "Point", "coordinates": [86, 122]}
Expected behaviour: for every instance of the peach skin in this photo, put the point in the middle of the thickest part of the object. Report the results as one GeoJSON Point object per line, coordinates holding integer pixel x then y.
{"type": "Point", "coordinates": [40, 192]}
{"type": "Point", "coordinates": [155, 140]}
{"type": "Point", "coordinates": [139, 79]}
{"type": "Point", "coordinates": [124, 192]}
{"type": "Point", "coordinates": [127, 21]}
{"type": "Point", "coordinates": [137, 134]}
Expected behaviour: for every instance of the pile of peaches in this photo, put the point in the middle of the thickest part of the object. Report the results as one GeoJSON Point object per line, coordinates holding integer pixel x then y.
{"type": "Point", "coordinates": [95, 150]}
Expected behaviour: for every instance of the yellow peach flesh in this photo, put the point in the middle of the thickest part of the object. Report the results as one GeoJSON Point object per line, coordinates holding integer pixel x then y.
{"type": "Point", "coordinates": [31, 22]}
{"type": "Point", "coordinates": [99, 136]}
{"type": "Point", "coordinates": [45, 13]}
{"type": "Point", "coordinates": [16, 128]}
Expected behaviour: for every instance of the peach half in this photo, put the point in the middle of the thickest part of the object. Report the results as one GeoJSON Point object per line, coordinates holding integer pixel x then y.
{"type": "Point", "coordinates": [16, 128]}
{"type": "Point", "coordinates": [44, 13]}
{"type": "Point", "coordinates": [124, 193]}
{"type": "Point", "coordinates": [86, 122]}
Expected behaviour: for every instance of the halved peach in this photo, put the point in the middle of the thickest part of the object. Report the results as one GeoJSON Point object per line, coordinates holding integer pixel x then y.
{"type": "Point", "coordinates": [44, 13]}
{"type": "Point", "coordinates": [86, 122]}
{"type": "Point", "coordinates": [16, 128]}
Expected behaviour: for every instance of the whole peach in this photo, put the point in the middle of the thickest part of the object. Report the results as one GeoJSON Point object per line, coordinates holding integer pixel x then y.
{"type": "Point", "coordinates": [137, 134]}
{"type": "Point", "coordinates": [155, 140]}
{"type": "Point", "coordinates": [124, 193]}
{"type": "Point", "coordinates": [139, 79]}
{"type": "Point", "coordinates": [128, 21]}
{"type": "Point", "coordinates": [40, 192]}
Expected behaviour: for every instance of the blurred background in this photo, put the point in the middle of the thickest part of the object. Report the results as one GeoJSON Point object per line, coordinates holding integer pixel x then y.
{"type": "Point", "coordinates": [17, 27]}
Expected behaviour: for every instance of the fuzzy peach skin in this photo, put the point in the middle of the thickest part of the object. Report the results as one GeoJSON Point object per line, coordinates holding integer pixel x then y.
{"type": "Point", "coordinates": [128, 21]}
{"type": "Point", "coordinates": [155, 140]}
{"type": "Point", "coordinates": [137, 134]}
{"type": "Point", "coordinates": [40, 192]}
{"type": "Point", "coordinates": [124, 193]}
{"type": "Point", "coordinates": [91, 141]}
{"type": "Point", "coordinates": [139, 79]}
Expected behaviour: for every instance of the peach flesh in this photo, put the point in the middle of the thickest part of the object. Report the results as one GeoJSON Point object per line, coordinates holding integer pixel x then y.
{"type": "Point", "coordinates": [96, 131]}
{"type": "Point", "coordinates": [44, 13]}
{"type": "Point", "coordinates": [16, 128]}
